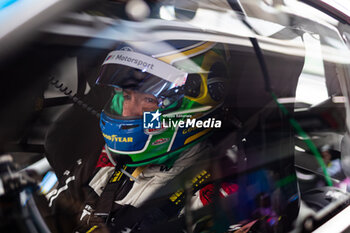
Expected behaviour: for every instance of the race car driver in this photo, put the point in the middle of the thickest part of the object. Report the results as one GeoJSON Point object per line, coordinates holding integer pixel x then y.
{"type": "Point", "coordinates": [163, 104]}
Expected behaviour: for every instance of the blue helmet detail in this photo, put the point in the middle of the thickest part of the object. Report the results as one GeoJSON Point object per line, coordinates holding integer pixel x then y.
{"type": "Point", "coordinates": [123, 135]}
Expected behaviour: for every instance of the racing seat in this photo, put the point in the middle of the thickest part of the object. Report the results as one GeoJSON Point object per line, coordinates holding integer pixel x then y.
{"type": "Point", "coordinates": [76, 133]}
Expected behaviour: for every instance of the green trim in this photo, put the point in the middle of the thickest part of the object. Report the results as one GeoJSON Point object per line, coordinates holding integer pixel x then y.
{"type": "Point", "coordinates": [170, 157]}
{"type": "Point", "coordinates": [187, 64]}
{"type": "Point", "coordinates": [189, 104]}
{"type": "Point", "coordinates": [198, 59]}
{"type": "Point", "coordinates": [285, 181]}
{"type": "Point", "coordinates": [306, 139]}
{"type": "Point", "coordinates": [219, 51]}
{"type": "Point", "coordinates": [117, 103]}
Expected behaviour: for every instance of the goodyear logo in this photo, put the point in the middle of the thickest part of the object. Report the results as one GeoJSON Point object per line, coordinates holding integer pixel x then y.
{"type": "Point", "coordinates": [115, 138]}
{"type": "Point", "coordinates": [189, 130]}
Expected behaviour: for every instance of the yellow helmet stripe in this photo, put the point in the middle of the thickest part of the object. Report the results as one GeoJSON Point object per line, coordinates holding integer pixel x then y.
{"type": "Point", "coordinates": [189, 53]}
{"type": "Point", "coordinates": [197, 135]}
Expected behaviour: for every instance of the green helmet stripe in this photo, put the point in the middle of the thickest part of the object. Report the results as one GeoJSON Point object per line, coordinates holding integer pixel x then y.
{"type": "Point", "coordinates": [166, 158]}
{"type": "Point", "coordinates": [117, 103]}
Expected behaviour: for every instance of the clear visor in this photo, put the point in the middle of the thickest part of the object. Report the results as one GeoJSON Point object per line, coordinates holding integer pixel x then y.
{"type": "Point", "coordinates": [125, 77]}
{"type": "Point", "coordinates": [127, 69]}
{"type": "Point", "coordinates": [136, 90]}
{"type": "Point", "coordinates": [130, 103]}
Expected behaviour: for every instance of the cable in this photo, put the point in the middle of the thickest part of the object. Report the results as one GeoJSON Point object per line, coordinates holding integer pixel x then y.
{"type": "Point", "coordinates": [74, 98]}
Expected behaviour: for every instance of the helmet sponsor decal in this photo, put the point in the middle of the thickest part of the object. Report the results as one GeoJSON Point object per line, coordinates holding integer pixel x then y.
{"type": "Point", "coordinates": [151, 131]}
{"type": "Point", "coordinates": [147, 64]}
{"type": "Point", "coordinates": [189, 130]}
{"type": "Point", "coordinates": [115, 138]}
{"type": "Point", "coordinates": [160, 141]}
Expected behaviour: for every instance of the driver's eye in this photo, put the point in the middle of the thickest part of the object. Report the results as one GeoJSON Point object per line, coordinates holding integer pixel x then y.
{"type": "Point", "coordinates": [127, 97]}
{"type": "Point", "coordinates": [150, 100]}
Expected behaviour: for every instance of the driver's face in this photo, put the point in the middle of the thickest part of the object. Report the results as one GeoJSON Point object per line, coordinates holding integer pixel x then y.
{"type": "Point", "coordinates": [135, 103]}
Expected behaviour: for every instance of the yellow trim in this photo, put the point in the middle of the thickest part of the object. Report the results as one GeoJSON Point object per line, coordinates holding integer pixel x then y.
{"type": "Point", "coordinates": [204, 98]}
{"type": "Point", "coordinates": [194, 137]}
{"type": "Point", "coordinates": [92, 229]}
{"type": "Point", "coordinates": [117, 176]}
{"type": "Point", "coordinates": [137, 171]}
{"type": "Point", "coordinates": [174, 57]}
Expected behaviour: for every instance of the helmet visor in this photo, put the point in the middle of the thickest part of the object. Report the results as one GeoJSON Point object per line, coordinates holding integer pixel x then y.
{"type": "Point", "coordinates": [122, 103]}
{"type": "Point", "coordinates": [127, 69]}
{"type": "Point", "coordinates": [136, 74]}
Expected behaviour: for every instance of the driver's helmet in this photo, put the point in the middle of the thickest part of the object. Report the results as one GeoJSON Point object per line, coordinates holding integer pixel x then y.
{"type": "Point", "coordinates": [156, 86]}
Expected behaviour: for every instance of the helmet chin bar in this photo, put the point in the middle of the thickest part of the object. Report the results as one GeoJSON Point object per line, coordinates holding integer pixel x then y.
{"type": "Point", "coordinates": [120, 168]}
